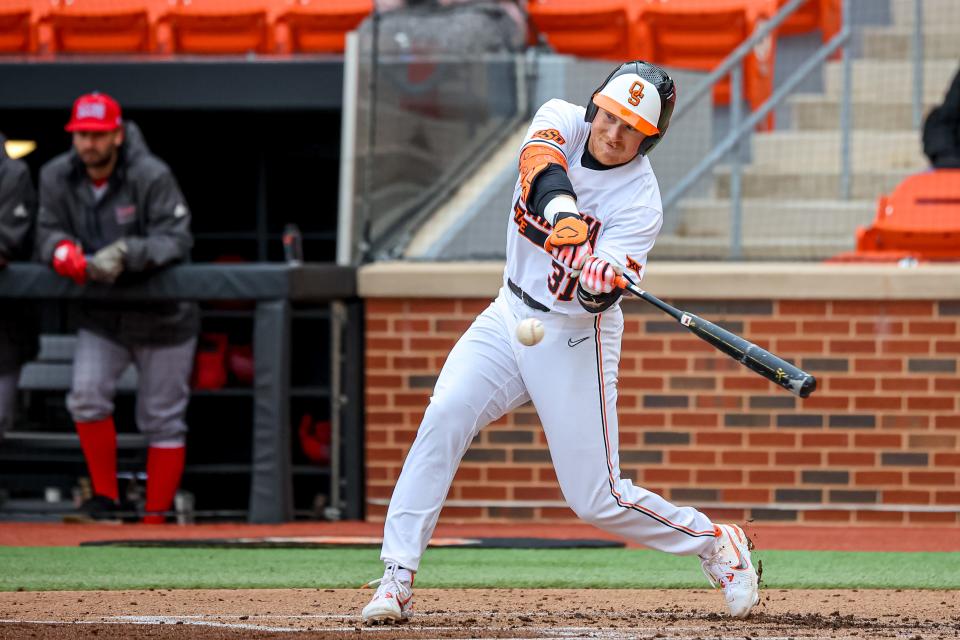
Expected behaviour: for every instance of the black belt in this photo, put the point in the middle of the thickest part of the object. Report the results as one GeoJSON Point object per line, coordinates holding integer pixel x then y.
{"type": "Point", "coordinates": [527, 300]}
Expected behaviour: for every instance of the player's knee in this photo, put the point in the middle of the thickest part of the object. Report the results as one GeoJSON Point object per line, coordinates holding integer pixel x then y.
{"type": "Point", "coordinates": [172, 433]}
{"type": "Point", "coordinates": [88, 404]}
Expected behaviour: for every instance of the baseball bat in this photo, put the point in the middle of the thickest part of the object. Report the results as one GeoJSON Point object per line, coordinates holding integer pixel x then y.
{"type": "Point", "coordinates": [775, 369]}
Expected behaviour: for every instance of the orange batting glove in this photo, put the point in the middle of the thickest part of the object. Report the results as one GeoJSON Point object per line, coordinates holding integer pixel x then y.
{"type": "Point", "coordinates": [568, 232]}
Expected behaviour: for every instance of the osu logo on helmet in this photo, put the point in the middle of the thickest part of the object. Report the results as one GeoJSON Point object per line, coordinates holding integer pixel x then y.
{"type": "Point", "coordinates": [636, 93]}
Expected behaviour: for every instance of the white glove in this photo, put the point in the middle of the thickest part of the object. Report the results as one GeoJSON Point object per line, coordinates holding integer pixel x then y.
{"type": "Point", "coordinates": [108, 263]}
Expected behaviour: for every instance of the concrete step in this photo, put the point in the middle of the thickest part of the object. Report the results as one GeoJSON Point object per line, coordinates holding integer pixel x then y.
{"type": "Point", "coordinates": [814, 112]}
{"type": "Point", "coordinates": [673, 247]}
{"type": "Point", "coordinates": [935, 12]}
{"type": "Point", "coordinates": [891, 81]}
{"type": "Point", "coordinates": [761, 182]}
{"type": "Point", "coordinates": [940, 42]}
{"type": "Point", "coordinates": [766, 218]}
{"type": "Point", "coordinates": [814, 151]}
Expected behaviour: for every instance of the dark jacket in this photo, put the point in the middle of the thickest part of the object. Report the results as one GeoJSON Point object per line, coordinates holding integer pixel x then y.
{"type": "Point", "coordinates": [941, 130]}
{"type": "Point", "coordinates": [143, 205]}
{"type": "Point", "coordinates": [18, 210]}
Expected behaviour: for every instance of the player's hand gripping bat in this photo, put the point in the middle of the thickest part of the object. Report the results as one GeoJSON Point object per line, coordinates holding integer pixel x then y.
{"type": "Point", "coordinates": [761, 361]}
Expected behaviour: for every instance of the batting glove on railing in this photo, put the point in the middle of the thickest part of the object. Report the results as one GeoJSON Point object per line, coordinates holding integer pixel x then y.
{"type": "Point", "coordinates": [599, 276]}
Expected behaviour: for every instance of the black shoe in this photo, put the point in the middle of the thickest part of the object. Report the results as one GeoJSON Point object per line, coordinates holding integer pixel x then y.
{"type": "Point", "coordinates": [97, 509]}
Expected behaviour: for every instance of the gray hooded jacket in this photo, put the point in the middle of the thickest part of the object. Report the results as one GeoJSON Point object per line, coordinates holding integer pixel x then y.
{"type": "Point", "coordinates": [143, 205]}
{"type": "Point", "coordinates": [18, 209]}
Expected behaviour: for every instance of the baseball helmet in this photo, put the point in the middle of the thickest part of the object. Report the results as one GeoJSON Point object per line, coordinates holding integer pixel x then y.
{"type": "Point", "coordinates": [640, 93]}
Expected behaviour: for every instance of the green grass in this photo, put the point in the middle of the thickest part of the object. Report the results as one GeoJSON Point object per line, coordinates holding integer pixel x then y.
{"type": "Point", "coordinates": [89, 568]}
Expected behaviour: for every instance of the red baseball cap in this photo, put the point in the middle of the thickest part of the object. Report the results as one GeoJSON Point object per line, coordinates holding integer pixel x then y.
{"type": "Point", "coordinates": [95, 112]}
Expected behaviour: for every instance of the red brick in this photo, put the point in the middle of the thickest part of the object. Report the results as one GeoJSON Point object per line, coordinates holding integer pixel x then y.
{"type": "Point", "coordinates": [546, 474]}
{"type": "Point", "coordinates": [689, 345]}
{"type": "Point", "coordinates": [417, 363]}
{"type": "Point", "coordinates": [404, 437]}
{"type": "Point", "coordinates": [851, 459]}
{"type": "Point", "coordinates": [827, 516]}
{"type": "Point", "coordinates": [911, 347]}
{"type": "Point", "coordinates": [818, 402]}
{"type": "Point", "coordinates": [376, 325]}
{"type": "Point", "coordinates": [947, 346]}
{"type": "Point", "coordinates": [824, 439]}
{"type": "Point", "coordinates": [433, 306]}
{"type": "Point", "coordinates": [537, 493]}
{"type": "Point", "coordinates": [716, 363]}
{"type": "Point", "coordinates": [385, 454]}
{"type": "Point", "coordinates": [946, 422]}
{"type": "Point", "coordinates": [643, 420]}
{"type": "Point", "coordinates": [753, 383]}
{"type": "Point", "coordinates": [877, 478]}
{"type": "Point", "coordinates": [755, 496]}
{"type": "Point", "coordinates": [850, 384]}
{"type": "Point", "coordinates": [769, 439]}
{"type": "Point", "coordinates": [824, 327]}
{"type": "Point", "coordinates": [715, 476]}
{"type": "Point", "coordinates": [882, 308]}
{"type": "Point", "coordinates": [691, 457]}
{"type": "Point", "coordinates": [933, 327]}
{"type": "Point", "coordinates": [905, 384]}
{"type": "Point", "coordinates": [772, 476]}
{"type": "Point", "coordinates": [905, 422]}
{"type": "Point", "coordinates": [949, 517]}
{"type": "Point", "coordinates": [373, 363]}
{"type": "Point", "coordinates": [877, 365]}
{"type": "Point", "coordinates": [801, 308]}
{"type": "Point", "coordinates": [509, 474]}
{"type": "Point", "coordinates": [920, 441]}
{"type": "Point", "coordinates": [946, 497]}
{"type": "Point", "coordinates": [468, 472]}
{"type": "Point", "coordinates": [376, 399]}
{"type": "Point", "coordinates": [473, 307]}
{"type": "Point", "coordinates": [797, 458]}
{"type": "Point", "coordinates": [895, 496]}
{"type": "Point", "coordinates": [642, 344]}
{"type": "Point", "coordinates": [852, 346]}
{"type": "Point", "coordinates": [666, 475]}
{"type": "Point", "coordinates": [385, 418]}
{"type": "Point", "coordinates": [745, 457]}
{"type": "Point", "coordinates": [725, 515]}
{"type": "Point", "coordinates": [946, 459]}
{"type": "Point", "coordinates": [374, 306]}
{"type": "Point", "coordinates": [453, 514]}
{"type": "Point", "coordinates": [931, 403]}
{"type": "Point", "coordinates": [932, 477]}
{"type": "Point", "coordinates": [410, 325]}
{"type": "Point", "coordinates": [384, 344]}
{"type": "Point", "coordinates": [946, 384]}
{"type": "Point", "coordinates": [448, 325]}
{"type": "Point", "coordinates": [773, 328]}
{"type": "Point", "coordinates": [880, 516]}
{"type": "Point", "coordinates": [390, 382]}
{"type": "Point", "coordinates": [695, 420]}
{"type": "Point", "coordinates": [718, 438]}
{"type": "Point", "coordinates": [376, 436]}
{"type": "Point", "coordinates": [664, 364]}
{"type": "Point", "coordinates": [877, 403]}
{"type": "Point", "coordinates": [483, 492]}
{"type": "Point", "coordinates": [646, 383]}
{"type": "Point", "coordinates": [557, 513]}
{"type": "Point", "coordinates": [432, 344]}
{"type": "Point", "coordinates": [719, 402]}
{"type": "Point", "coordinates": [881, 327]}
{"type": "Point", "coordinates": [411, 398]}
{"type": "Point", "coordinates": [883, 440]}
{"type": "Point", "coordinates": [789, 346]}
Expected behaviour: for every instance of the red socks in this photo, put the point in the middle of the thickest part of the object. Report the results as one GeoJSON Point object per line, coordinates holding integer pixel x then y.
{"type": "Point", "coordinates": [98, 439]}
{"type": "Point", "coordinates": [164, 468]}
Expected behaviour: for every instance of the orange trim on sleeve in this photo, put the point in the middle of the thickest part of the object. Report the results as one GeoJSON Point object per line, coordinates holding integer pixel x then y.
{"type": "Point", "coordinates": [535, 158]}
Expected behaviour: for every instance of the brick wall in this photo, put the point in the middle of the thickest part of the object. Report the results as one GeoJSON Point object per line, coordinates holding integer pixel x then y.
{"type": "Point", "coordinates": [877, 443]}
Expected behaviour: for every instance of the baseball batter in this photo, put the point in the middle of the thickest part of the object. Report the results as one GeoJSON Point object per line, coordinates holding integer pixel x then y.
{"type": "Point", "coordinates": [586, 209]}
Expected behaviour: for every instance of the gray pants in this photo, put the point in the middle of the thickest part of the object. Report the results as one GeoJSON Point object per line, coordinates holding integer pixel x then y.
{"type": "Point", "coordinates": [8, 400]}
{"type": "Point", "coordinates": [163, 387]}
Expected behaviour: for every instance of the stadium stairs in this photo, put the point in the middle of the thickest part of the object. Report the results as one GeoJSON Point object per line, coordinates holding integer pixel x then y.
{"type": "Point", "coordinates": [791, 205]}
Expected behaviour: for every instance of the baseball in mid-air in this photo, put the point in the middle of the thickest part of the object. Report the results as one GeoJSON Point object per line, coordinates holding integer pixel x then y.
{"type": "Point", "coordinates": [530, 332]}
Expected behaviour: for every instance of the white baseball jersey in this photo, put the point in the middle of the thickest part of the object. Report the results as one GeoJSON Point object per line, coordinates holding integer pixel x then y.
{"type": "Point", "coordinates": [620, 205]}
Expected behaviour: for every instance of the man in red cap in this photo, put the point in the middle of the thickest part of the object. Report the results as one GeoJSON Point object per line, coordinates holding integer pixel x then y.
{"type": "Point", "coordinates": [109, 211]}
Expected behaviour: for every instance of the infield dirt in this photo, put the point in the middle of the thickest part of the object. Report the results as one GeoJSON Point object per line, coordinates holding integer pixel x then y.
{"type": "Point", "coordinates": [475, 613]}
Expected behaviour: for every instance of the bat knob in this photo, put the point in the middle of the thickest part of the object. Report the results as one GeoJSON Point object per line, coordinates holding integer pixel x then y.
{"type": "Point", "coordinates": [808, 386]}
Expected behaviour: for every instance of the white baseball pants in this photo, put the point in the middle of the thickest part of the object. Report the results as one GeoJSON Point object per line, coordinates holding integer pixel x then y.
{"type": "Point", "coordinates": [571, 378]}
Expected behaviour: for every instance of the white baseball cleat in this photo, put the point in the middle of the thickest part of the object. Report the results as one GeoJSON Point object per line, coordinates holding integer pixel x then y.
{"type": "Point", "coordinates": [729, 567]}
{"type": "Point", "coordinates": [393, 601]}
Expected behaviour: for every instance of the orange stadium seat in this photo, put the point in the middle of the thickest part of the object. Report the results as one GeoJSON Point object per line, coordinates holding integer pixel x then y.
{"type": "Point", "coordinates": [588, 28]}
{"type": "Point", "coordinates": [104, 26]}
{"type": "Point", "coordinates": [18, 25]}
{"type": "Point", "coordinates": [920, 219]}
{"type": "Point", "coordinates": [219, 26]}
{"type": "Point", "coordinates": [813, 15]}
{"type": "Point", "coordinates": [317, 26]}
{"type": "Point", "coordinates": [699, 34]}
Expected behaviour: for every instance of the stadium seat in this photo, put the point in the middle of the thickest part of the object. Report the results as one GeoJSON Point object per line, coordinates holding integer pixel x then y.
{"type": "Point", "coordinates": [919, 219]}
{"type": "Point", "coordinates": [18, 25]}
{"type": "Point", "coordinates": [105, 26]}
{"type": "Point", "coordinates": [317, 26]}
{"type": "Point", "coordinates": [812, 15]}
{"type": "Point", "coordinates": [699, 34]}
{"type": "Point", "coordinates": [219, 26]}
{"type": "Point", "coordinates": [588, 28]}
